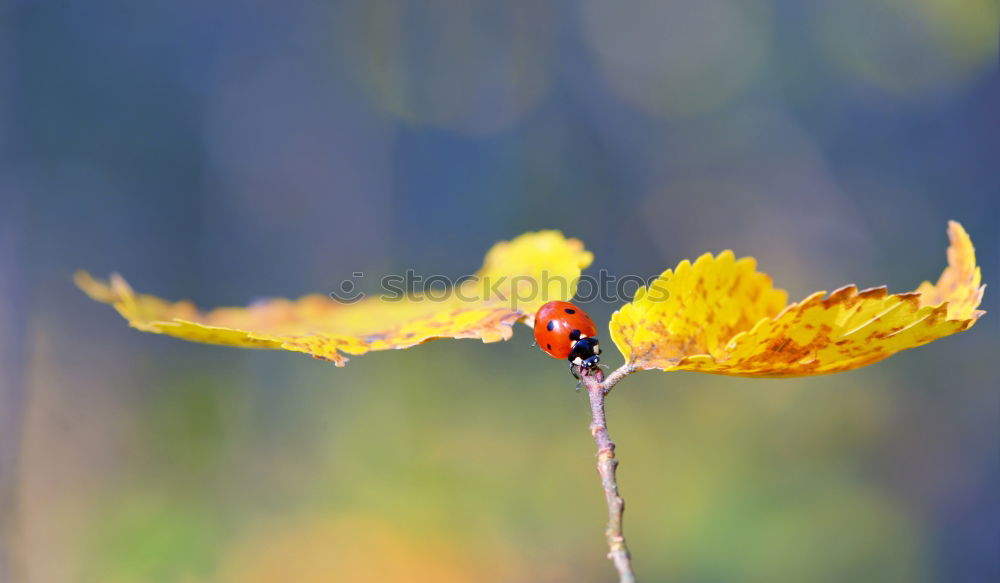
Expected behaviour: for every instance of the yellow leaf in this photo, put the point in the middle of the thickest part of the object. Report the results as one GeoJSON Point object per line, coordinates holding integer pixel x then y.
{"type": "Point", "coordinates": [517, 277]}
{"type": "Point", "coordinates": [721, 316]}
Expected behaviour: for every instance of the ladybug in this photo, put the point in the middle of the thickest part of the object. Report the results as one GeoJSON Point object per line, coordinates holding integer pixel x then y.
{"type": "Point", "coordinates": [565, 331]}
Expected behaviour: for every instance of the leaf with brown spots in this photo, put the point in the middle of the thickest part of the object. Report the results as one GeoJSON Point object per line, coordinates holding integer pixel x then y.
{"type": "Point", "coordinates": [517, 277]}
{"type": "Point", "coordinates": [721, 316]}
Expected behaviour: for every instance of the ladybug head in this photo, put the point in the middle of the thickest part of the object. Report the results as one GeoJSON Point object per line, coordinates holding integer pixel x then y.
{"type": "Point", "coordinates": [586, 353]}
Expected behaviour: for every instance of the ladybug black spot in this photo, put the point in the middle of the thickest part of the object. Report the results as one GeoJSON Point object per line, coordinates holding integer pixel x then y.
{"type": "Point", "coordinates": [548, 346]}
{"type": "Point", "coordinates": [574, 335]}
{"type": "Point", "coordinates": [570, 311]}
{"type": "Point", "coordinates": [552, 324]}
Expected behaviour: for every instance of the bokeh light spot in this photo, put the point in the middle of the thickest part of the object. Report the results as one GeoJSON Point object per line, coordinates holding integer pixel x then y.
{"type": "Point", "coordinates": [677, 58]}
{"type": "Point", "coordinates": [910, 48]}
{"type": "Point", "coordinates": [476, 68]}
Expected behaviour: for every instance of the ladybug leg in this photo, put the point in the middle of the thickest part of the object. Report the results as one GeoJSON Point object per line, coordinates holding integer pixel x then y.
{"type": "Point", "coordinates": [579, 380]}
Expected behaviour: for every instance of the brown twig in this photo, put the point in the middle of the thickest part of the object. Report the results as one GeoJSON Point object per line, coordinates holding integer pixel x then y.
{"type": "Point", "coordinates": [597, 388]}
{"type": "Point", "coordinates": [617, 375]}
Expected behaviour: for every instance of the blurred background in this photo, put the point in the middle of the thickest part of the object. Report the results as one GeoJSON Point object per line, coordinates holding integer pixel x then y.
{"type": "Point", "coordinates": [228, 151]}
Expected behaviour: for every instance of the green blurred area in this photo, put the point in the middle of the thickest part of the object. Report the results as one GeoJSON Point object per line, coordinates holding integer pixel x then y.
{"type": "Point", "coordinates": [474, 468]}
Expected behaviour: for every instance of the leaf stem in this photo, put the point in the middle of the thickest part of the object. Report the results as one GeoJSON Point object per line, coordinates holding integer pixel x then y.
{"type": "Point", "coordinates": [597, 388]}
{"type": "Point", "coordinates": [617, 375]}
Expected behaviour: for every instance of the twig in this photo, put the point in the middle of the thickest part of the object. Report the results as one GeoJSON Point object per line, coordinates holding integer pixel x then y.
{"type": "Point", "coordinates": [617, 375]}
{"type": "Point", "coordinates": [597, 388]}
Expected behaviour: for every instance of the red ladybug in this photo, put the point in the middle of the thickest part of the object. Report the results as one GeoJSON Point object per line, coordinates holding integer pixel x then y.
{"type": "Point", "coordinates": [565, 331]}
